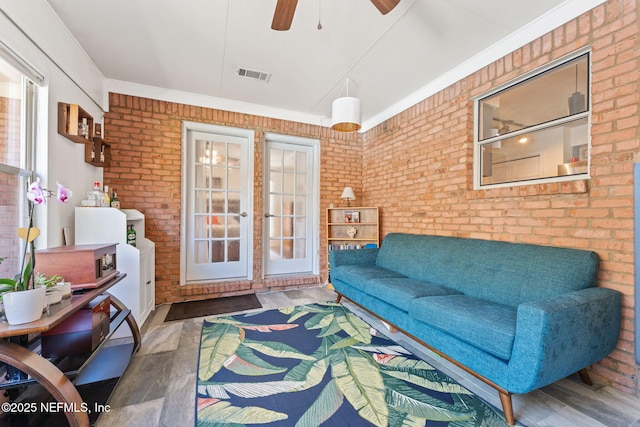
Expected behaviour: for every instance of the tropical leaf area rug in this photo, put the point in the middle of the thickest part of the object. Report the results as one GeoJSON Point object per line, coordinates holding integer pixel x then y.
{"type": "Point", "coordinates": [320, 364]}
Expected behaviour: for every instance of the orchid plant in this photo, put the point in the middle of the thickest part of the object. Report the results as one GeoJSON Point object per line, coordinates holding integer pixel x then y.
{"type": "Point", "coordinates": [36, 195]}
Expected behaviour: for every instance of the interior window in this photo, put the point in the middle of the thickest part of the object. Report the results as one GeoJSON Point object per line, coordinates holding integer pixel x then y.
{"type": "Point", "coordinates": [17, 119]}
{"type": "Point", "coordinates": [535, 129]}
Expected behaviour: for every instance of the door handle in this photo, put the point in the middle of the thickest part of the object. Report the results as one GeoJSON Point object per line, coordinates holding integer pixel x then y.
{"type": "Point", "coordinates": [268, 215]}
{"type": "Point", "coordinates": [243, 214]}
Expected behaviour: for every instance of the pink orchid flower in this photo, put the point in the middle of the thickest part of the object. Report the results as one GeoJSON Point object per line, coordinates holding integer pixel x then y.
{"type": "Point", "coordinates": [64, 194]}
{"type": "Point", "coordinates": [36, 194]}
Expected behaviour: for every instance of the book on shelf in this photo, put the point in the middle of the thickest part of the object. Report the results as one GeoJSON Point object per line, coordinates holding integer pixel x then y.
{"type": "Point", "coordinates": [345, 246]}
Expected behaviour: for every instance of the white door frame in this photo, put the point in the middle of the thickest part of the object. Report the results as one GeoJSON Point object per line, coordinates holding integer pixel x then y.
{"type": "Point", "coordinates": [315, 211]}
{"type": "Point", "coordinates": [188, 126]}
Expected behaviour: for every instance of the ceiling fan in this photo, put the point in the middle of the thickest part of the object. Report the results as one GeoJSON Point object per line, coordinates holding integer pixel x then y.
{"type": "Point", "coordinates": [285, 9]}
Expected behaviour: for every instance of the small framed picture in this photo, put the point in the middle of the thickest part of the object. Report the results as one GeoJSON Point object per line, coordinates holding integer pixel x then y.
{"type": "Point", "coordinates": [351, 216]}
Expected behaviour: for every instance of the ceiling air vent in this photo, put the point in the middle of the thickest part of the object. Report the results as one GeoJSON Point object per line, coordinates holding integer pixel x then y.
{"type": "Point", "coordinates": [253, 74]}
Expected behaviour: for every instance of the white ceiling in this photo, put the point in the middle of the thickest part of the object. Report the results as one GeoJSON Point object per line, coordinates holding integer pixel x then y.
{"type": "Point", "coordinates": [194, 46]}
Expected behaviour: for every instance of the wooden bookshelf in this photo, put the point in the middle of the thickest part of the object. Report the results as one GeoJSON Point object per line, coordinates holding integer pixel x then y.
{"type": "Point", "coordinates": [352, 228]}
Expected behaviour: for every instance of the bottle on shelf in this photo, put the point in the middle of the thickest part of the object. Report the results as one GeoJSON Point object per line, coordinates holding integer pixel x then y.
{"type": "Point", "coordinates": [83, 128]}
{"type": "Point", "coordinates": [97, 193]}
{"type": "Point", "coordinates": [131, 235]}
{"type": "Point", "coordinates": [115, 202]}
{"type": "Point", "coordinates": [106, 199]}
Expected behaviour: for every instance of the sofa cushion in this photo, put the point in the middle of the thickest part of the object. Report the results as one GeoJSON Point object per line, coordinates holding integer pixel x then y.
{"type": "Point", "coordinates": [486, 325]}
{"type": "Point", "coordinates": [358, 275]}
{"type": "Point", "coordinates": [502, 272]}
{"type": "Point", "coordinates": [400, 291]}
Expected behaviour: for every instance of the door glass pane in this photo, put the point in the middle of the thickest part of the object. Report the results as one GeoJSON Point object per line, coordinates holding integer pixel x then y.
{"type": "Point", "coordinates": [201, 252]}
{"type": "Point", "coordinates": [219, 153]}
{"type": "Point", "coordinates": [301, 248]}
{"type": "Point", "coordinates": [235, 180]}
{"type": "Point", "coordinates": [275, 247]}
{"type": "Point", "coordinates": [217, 251]}
{"type": "Point", "coordinates": [301, 162]}
{"type": "Point", "coordinates": [201, 201]}
{"type": "Point", "coordinates": [289, 183]}
{"type": "Point", "coordinates": [233, 250]}
{"type": "Point", "coordinates": [289, 161]}
{"type": "Point", "coordinates": [287, 249]}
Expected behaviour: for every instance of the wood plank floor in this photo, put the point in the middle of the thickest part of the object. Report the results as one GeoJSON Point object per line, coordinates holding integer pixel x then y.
{"type": "Point", "coordinates": [158, 388]}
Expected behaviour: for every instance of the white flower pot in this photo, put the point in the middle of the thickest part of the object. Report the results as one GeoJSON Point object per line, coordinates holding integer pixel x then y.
{"type": "Point", "coordinates": [24, 306]}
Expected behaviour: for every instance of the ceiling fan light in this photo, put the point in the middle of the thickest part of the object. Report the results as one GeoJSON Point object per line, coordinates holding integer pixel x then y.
{"type": "Point", "coordinates": [346, 114]}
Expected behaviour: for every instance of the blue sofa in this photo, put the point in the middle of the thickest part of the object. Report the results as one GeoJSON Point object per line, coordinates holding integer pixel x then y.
{"type": "Point", "coordinates": [517, 316]}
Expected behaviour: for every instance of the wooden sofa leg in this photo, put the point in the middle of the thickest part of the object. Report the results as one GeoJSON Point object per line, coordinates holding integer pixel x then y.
{"type": "Point", "coordinates": [507, 407]}
{"type": "Point", "coordinates": [584, 375]}
{"type": "Point", "coordinates": [338, 298]}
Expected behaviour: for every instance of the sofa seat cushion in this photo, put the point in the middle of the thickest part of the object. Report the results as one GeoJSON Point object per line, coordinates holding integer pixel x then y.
{"type": "Point", "coordinates": [358, 275]}
{"type": "Point", "coordinates": [400, 291]}
{"type": "Point", "coordinates": [486, 325]}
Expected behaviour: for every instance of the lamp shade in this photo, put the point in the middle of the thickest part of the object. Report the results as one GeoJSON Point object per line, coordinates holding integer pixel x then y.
{"type": "Point", "coordinates": [346, 114]}
{"type": "Point", "coordinates": [348, 194]}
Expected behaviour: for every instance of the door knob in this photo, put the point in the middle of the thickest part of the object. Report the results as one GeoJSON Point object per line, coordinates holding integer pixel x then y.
{"type": "Point", "coordinates": [243, 214]}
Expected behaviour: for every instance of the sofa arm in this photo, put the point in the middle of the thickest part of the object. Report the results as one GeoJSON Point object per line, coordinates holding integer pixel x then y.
{"type": "Point", "coordinates": [560, 336]}
{"type": "Point", "coordinates": [353, 256]}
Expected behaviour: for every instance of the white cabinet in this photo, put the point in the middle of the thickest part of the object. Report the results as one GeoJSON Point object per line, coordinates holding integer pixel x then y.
{"type": "Point", "coordinates": [109, 225]}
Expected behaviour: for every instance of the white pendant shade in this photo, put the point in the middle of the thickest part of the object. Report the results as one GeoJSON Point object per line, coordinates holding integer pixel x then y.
{"type": "Point", "coordinates": [346, 114]}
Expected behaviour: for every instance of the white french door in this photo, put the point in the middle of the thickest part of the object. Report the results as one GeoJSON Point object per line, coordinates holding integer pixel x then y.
{"type": "Point", "coordinates": [291, 200]}
{"type": "Point", "coordinates": [217, 215]}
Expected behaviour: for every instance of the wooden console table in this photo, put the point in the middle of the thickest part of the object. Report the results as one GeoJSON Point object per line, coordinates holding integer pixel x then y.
{"type": "Point", "coordinates": [34, 368]}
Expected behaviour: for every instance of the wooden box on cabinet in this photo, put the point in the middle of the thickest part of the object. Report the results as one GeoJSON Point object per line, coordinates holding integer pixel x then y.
{"type": "Point", "coordinates": [80, 333]}
{"type": "Point", "coordinates": [85, 266]}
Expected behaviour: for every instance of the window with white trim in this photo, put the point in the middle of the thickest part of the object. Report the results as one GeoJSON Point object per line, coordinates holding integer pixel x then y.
{"type": "Point", "coordinates": [17, 141]}
{"type": "Point", "coordinates": [536, 129]}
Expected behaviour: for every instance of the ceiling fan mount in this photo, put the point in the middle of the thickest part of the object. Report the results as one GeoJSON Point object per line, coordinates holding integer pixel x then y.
{"type": "Point", "coordinates": [285, 9]}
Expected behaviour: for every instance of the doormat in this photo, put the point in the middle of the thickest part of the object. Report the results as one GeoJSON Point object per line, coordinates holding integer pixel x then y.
{"type": "Point", "coordinates": [320, 364]}
{"type": "Point", "coordinates": [209, 307]}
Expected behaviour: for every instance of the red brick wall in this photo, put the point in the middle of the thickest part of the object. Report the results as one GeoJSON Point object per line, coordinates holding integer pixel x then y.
{"type": "Point", "coordinates": [417, 166]}
{"type": "Point", "coordinates": [145, 137]}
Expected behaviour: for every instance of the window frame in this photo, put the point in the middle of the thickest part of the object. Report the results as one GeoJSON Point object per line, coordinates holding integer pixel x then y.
{"type": "Point", "coordinates": [31, 82]}
{"type": "Point", "coordinates": [478, 142]}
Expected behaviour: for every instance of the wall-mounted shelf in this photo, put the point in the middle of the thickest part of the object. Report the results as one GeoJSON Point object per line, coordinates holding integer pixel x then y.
{"type": "Point", "coordinates": [97, 152]}
{"type": "Point", "coordinates": [70, 118]}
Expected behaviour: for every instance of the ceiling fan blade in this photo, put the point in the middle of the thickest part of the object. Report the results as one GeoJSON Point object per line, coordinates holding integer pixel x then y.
{"type": "Point", "coordinates": [385, 6]}
{"type": "Point", "coordinates": [283, 15]}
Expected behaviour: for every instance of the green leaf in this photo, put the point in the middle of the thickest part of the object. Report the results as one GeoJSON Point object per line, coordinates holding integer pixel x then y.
{"type": "Point", "coordinates": [486, 415]}
{"type": "Point", "coordinates": [309, 373]}
{"type": "Point", "coordinates": [319, 321]}
{"type": "Point", "coordinates": [345, 342]}
{"type": "Point", "coordinates": [245, 362]}
{"type": "Point", "coordinates": [219, 341]}
{"type": "Point", "coordinates": [402, 419]}
{"type": "Point", "coordinates": [422, 374]}
{"type": "Point", "coordinates": [331, 329]}
{"type": "Point", "coordinates": [358, 378]}
{"type": "Point", "coordinates": [354, 326]}
{"type": "Point", "coordinates": [328, 402]}
{"type": "Point", "coordinates": [223, 412]}
{"type": "Point", "coordinates": [412, 401]}
{"type": "Point", "coordinates": [301, 311]}
{"type": "Point", "coordinates": [277, 349]}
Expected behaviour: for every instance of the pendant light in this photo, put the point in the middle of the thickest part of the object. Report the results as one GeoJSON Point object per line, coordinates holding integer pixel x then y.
{"type": "Point", "coordinates": [346, 113]}
{"type": "Point", "coordinates": [577, 102]}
